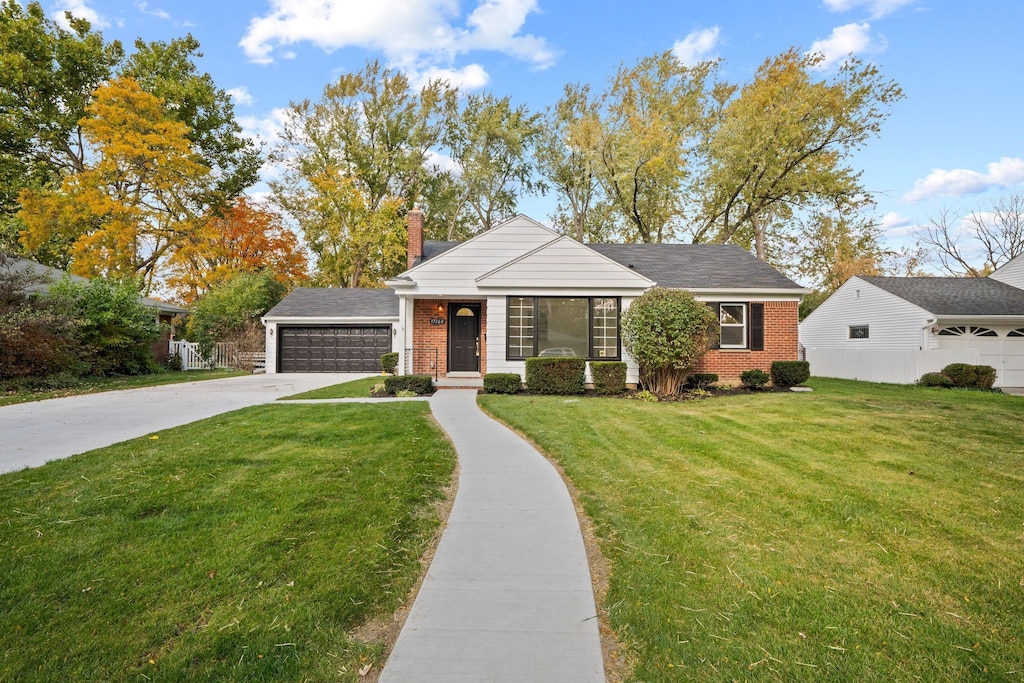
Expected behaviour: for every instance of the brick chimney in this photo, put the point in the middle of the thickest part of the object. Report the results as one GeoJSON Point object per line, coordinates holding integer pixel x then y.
{"type": "Point", "coordinates": [415, 220]}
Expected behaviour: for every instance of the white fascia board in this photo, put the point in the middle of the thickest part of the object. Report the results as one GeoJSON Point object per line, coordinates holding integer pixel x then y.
{"type": "Point", "coordinates": [564, 291]}
{"type": "Point", "coordinates": [748, 293]}
{"type": "Point", "coordinates": [329, 320]}
{"type": "Point", "coordinates": [975, 319]}
{"type": "Point", "coordinates": [400, 283]}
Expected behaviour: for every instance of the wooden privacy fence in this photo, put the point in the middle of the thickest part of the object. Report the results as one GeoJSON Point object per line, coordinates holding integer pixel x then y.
{"type": "Point", "coordinates": [892, 366]}
{"type": "Point", "coordinates": [224, 355]}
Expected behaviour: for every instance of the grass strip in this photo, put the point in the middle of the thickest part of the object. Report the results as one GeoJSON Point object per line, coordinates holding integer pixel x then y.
{"type": "Point", "coordinates": [860, 532]}
{"type": "Point", "coordinates": [243, 547]}
{"type": "Point", "coordinates": [94, 385]}
{"type": "Point", "coordinates": [358, 388]}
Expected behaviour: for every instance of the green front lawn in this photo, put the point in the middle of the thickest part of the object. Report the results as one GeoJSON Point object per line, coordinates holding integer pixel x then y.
{"type": "Point", "coordinates": [860, 532]}
{"type": "Point", "coordinates": [93, 385]}
{"type": "Point", "coordinates": [243, 547]}
{"type": "Point", "coordinates": [357, 388]}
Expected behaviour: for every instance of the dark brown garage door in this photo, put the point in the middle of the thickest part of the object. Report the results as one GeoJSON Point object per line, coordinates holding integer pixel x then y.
{"type": "Point", "coordinates": [332, 349]}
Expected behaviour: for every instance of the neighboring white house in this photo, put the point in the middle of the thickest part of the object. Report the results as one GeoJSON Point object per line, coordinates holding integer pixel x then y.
{"type": "Point", "coordinates": [894, 329]}
{"type": "Point", "coordinates": [521, 290]}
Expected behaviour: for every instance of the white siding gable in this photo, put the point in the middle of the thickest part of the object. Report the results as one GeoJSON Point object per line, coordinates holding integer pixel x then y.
{"type": "Point", "coordinates": [893, 322]}
{"type": "Point", "coordinates": [1011, 272]}
{"type": "Point", "coordinates": [454, 272]}
{"type": "Point", "coordinates": [564, 263]}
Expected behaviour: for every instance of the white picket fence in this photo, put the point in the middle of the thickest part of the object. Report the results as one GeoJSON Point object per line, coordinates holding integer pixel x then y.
{"type": "Point", "coordinates": [892, 366]}
{"type": "Point", "coordinates": [223, 356]}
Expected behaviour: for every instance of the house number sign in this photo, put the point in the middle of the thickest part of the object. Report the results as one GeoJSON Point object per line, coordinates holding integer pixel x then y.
{"type": "Point", "coordinates": [437, 321]}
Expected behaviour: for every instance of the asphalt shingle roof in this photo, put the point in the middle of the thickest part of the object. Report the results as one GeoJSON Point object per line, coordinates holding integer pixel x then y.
{"type": "Point", "coordinates": [682, 266]}
{"type": "Point", "coordinates": [337, 301]}
{"type": "Point", "coordinates": [955, 295]}
{"type": "Point", "coordinates": [697, 266]}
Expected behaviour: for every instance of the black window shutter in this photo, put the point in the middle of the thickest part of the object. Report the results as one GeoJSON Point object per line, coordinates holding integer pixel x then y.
{"type": "Point", "coordinates": [718, 317]}
{"type": "Point", "coordinates": [756, 327]}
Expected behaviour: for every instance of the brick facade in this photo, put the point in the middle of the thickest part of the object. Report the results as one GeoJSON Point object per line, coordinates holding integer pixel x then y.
{"type": "Point", "coordinates": [780, 343]}
{"type": "Point", "coordinates": [427, 337]}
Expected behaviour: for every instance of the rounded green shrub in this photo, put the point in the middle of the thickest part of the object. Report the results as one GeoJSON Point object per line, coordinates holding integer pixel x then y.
{"type": "Point", "coordinates": [421, 384]}
{"type": "Point", "coordinates": [790, 373]}
{"type": "Point", "coordinates": [961, 374]}
{"type": "Point", "coordinates": [502, 383]}
{"type": "Point", "coordinates": [754, 379]}
{"type": "Point", "coordinates": [701, 380]}
{"type": "Point", "coordinates": [388, 362]}
{"type": "Point", "coordinates": [935, 379]}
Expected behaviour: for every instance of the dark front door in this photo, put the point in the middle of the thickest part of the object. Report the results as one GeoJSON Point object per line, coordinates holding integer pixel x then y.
{"type": "Point", "coordinates": [464, 338]}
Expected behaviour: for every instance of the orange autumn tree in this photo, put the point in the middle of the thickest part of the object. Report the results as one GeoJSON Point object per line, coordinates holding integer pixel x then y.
{"type": "Point", "coordinates": [244, 239]}
{"type": "Point", "coordinates": [131, 206]}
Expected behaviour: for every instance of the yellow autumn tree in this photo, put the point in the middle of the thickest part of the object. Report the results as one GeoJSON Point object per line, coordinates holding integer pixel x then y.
{"type": "Point", "coordinates": [130, 208]}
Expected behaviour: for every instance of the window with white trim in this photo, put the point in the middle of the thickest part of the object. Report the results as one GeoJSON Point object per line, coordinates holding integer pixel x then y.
{"type": "Point", "coordinates": [732, 319]}
{"type": "Point", "coordinates": [585, 327]}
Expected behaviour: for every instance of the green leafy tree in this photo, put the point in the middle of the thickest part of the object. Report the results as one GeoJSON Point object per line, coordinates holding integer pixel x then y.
{"type": "Point", "coordinates": [492, 143]}
{"type": "Point", "coordinates": [49, 75]}
{"type": "Point", "coordinates": [233, 309]}
{"type": "Point", "coordinates": [783, 145]}
{"type": "Point", "coordinates": [116, 330]}
{"type": "Point", "coordinates": [666, 331]}
{"type": "Point", "coordinates": [168, 70]}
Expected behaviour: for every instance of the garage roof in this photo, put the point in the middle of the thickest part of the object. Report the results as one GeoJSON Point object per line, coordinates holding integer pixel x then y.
{"type": "Point", "coordinates": [954, 295]}
{"type": "Point", "coordinates": [336, 302]}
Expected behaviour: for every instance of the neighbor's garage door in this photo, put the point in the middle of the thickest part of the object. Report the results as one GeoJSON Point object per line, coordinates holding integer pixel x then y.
{"type": "Point", "coordinates": [332, 349]}
{"type": "Point", "coordinates": [999, 347]}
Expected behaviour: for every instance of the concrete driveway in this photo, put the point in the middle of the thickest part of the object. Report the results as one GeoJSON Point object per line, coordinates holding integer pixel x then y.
{"type": "Point", "coordinates": [34, 433]}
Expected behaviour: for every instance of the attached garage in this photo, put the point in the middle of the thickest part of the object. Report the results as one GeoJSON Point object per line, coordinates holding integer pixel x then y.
{"type": "Point", "coordinates": [331, 330]}
{"type": "Point", "coordinates": [332, 349]}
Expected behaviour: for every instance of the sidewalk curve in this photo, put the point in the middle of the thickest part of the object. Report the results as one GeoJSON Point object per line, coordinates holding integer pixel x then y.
{"type": "Point", "coordinates": [508, 595]}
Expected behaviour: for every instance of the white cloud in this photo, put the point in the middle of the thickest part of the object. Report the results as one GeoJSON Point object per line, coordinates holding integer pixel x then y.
{"type": "Point", "coordinates": [409, 32]}
{"type": "Point", "coordinates": [442, 162]}
{"type": "Point", "coordinates": [158, 13]}
{"type": "Point", "coordinates": [1006, 172]}
{"type": "Point", "coordinates": [849, 39]}
{"type": "Point", "coordinates": [470, 77]}
{"type": "Point", "coordinates": [241, 96]}
{"type": "Point", "coordinates": [266, 131]}
{"type": "Point", "coordinates": [893, 224]}
{"type": "Point", "coordinates": [878, 8]}
{"type": "Point", "coordinates": [697, 46]}
{"type": "Point", "coordinates": [80, 10]}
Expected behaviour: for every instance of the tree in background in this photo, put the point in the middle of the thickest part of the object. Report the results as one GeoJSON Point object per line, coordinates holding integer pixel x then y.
{"type": "Point", "coordinates": [116, 330]}
{"type": "Point", "coordinates": [667, 331]}
{"type": "Point", "coordinates": [975, 244]}
{"type": "Point", "coordinates": [492, 142]}
{"type": "Point", "coordinates": [354, 163]}
{"type": "Point", "coordinates": [231, 312]}
{"type": "Point", "coordinates": [49, 75]}
{"type": "Point", "coordinates": [245, 238]}
{"type": "Point", "coordinates": [130, 206]}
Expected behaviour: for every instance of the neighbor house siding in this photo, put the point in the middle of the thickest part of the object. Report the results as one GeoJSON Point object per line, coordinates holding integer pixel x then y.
{"type": "Point", "coordinates": [1011, 273]}
{"type": "Point", "coordinates": [893, 323]}
{"type": "Point", "coordinates": [780, 343]}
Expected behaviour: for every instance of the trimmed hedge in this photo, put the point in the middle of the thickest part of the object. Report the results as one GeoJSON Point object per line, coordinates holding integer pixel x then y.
{"type": "Point", "coordinates": [420, 384]}
{"type": "Point", "coordinates": [701, 380]}
{"type": "Point", "coordinates": [502, 383]}
{"type": "Point", "coordinates": [935, 379]}
{"type": "Point", "coordinates": [967, 376]}
{"type": "Point", "coordinates": [609, 376]}
{"type": "Point", "coordinates": [754, 378]}
{"type": "Point", "coordinates": [562, 376]}
{"type": "Point", "coordinates": [789, 373]}
{"type": "Point", "coordinates": [388, 362]}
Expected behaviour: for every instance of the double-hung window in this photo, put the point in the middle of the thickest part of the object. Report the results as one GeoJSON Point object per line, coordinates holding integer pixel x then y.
{"type": "Point", "coordinates": [733, 321]}
{"type": "Point", "coordinates": [585, 327]}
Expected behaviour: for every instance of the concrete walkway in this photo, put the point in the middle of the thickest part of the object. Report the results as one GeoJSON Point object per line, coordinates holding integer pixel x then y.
{"type": "Point", "coordinates": [508, 596]}
{"type": "Point", "coordinates": [34, 433]}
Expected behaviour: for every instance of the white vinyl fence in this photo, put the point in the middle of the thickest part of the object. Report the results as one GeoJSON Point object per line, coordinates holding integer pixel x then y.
{"type": "Point", "coordinates": [223, 356]}
{"type": "Point", "coordinates": [892, 366]}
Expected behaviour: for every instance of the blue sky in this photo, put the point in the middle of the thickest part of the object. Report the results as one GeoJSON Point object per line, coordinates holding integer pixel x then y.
{"type": "Point", "coordinates": [954, 142]}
